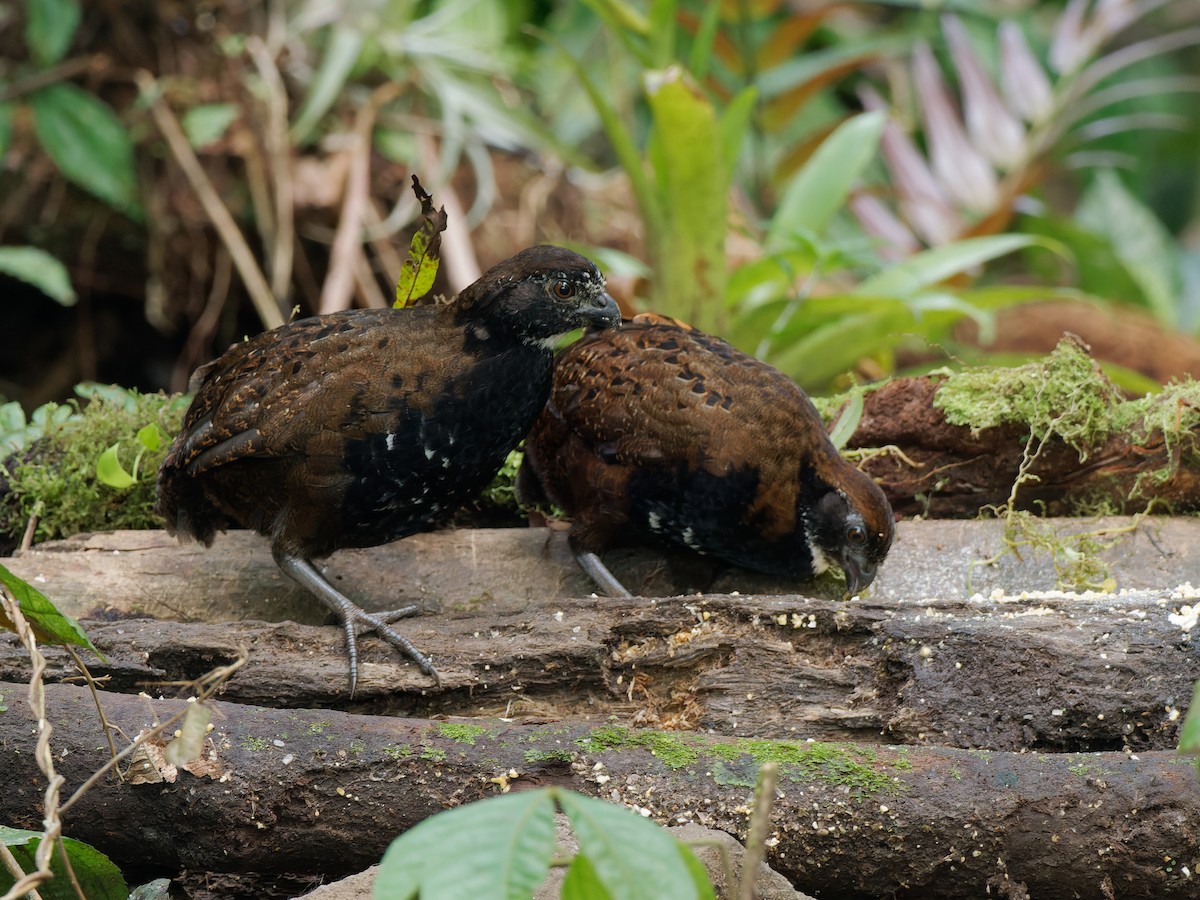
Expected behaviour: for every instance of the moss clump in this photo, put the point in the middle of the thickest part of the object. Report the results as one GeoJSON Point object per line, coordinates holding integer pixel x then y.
{"type": "Point", "coordinates": [536, 756]}
{"type": "Point", "coordinates": [397, 752]}
{"type": "Point", "coordinates": [844, 764]}
{"type": "Point", "coordinates": [460, 732]}
{"type": "Point", "coordinates": [1064, 393]}
{"type": "Point", "coordinates": [674, 752]}
{"type": "Point", "coordinates": [54, 475]}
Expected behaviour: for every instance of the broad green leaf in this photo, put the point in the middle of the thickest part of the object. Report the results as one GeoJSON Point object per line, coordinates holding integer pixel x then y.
{"type": "Point", "coordinates": [700, 56]}
{"type": "Point", "coordinates": [37, 267]}
{"type": "Point", "coordinates": [208, 122]}
{"type": "Point", "coordinates": [110, 471]}
{"type": "Point", "coordinates": [693, 183]}
{"type": "Point", "coordinates": [151, 436]}
{"type": "Point", "coordinates": [48, 624]}
{"type": "Point", "coordinates": [98, 876]}
{"type": "Point", "coordinates": [87, 142]}
{"type": "Point", "coordinates": [496, 849]}
{"type": "Point", "coordinates": [847, 422]}
{"type": "Point", "coordinates": [1189, 735]}
{"type": "Point", "coordinates": [112, 394]}
{"type": "Point", "coordinates": [6, 126]}
{"type": "Point", "coordinates": [821, 186]}
{"type": "Point", "coordinates": [804, 68]}
{"type": "Point", "coordinates": [341, 53]}
{"type": "Point", "coordinates": [704, 886]}
{"type": "Point", "coordinates": [418, 272]}
{"type": "Point", "coordinates": [1138, 239]}
{"type": "Point", "coordinates": [735, 121]}
{"type": "Point", "coordinates": [582, 882]}
{"type": "Point", "coordinates": [938, 264]}
{"type": "Point", "coordinates": [192, 732]}
{"type": "Point", "coordinates": [49, 27]}
{"type": "Point", "coordinates": [633, 858]}
{"type": "Point", "coordinates": [834, 348]}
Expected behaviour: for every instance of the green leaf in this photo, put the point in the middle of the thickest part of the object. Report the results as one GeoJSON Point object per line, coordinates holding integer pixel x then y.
{"type": "Point", "coordinates": [49, 27]}
{"type": "Point", "coordinates": [110, 471]}
{"type": "Point", "coordinates": [87, 142]}
{"type": "Point", "coordinates": [847, 422]}
{"type": "Point", "coordinates": [208, 122]}
{"type": "Point", "coordinates": [582, 882]}
{"type": "Point", "coordinates": [418, 272]}
{"type": "Point", "coordinates": [704, 886]}
{"type": "Point", "coordinates": [1138, 239]}
{"type": "Point", "coordinates": [693, 183]}
{"type": "Point", "coordinates": [932, 266]}
{"type": "Point", "coordinates": [151, 436]}
{"type": "Point", "coordinates": [821, 186]}
{"type": "Point", "coordinates": [48, 624]}
{"type": "Point", "coordinates": [834, 348]}
{"type": "Point", "coordinates": [508, 840]}
{"type": "Point", "coordinates": [99, 878]}
{"type": "Point", "coordinates": [341, 53]}
{"type": "Point", "coordinates": [37, 267]}
{"type": "Point", "coordinates": [735, 121]}
{"type": "Point", "coordinates": [6, 126]}
{"type": "Point", "coordinates": [1189, 735]}
{"type": "Point", "coordinates": [633, 858]}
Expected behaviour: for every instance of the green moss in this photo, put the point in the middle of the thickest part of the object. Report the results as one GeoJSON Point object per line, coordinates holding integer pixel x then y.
{"type": "Point", "coordinates": [1064, 393]}
{"type": "Point", "coordinates": [253, 743]}
{"type": "Point", "coordinates": [433, 754]}
{"type": "Point", "coordinates": [397, 751]}
{"type": "Point", "coordinates": [674, 752]}
{"type": "Point", "coordinates": [536, 756]}
{"type": "Point", "coordinates": [460, 732]}
{"type": "Point", "coordinates": [54, 476]}
{"type": "Point", "coordinates": [318, 727]}
{"type": "Point", "coordinates": [845, 764]}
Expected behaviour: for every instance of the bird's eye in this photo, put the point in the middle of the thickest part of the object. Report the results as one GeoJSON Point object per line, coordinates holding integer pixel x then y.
{"type": "Point", "coordinates": [563, 289]}
{"type": "Point", "coordinates": [856, 535]}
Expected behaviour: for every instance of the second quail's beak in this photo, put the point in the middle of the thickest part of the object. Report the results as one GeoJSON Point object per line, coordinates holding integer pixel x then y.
{"type": "Point", "coordinates": [859, 573]}
{"type": "Point", "coordinates": [602, 312]}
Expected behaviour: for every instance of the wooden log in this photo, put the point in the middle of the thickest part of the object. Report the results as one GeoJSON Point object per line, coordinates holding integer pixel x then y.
{"type": "Point", "coordinates": [295, 794]}
{"type": "Point", "coordinates": [1047, 672]}
{"type": "Point", "coordinates": [457, 571]}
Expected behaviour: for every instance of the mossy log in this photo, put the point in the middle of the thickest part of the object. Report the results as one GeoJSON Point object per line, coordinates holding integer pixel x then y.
{"type": "Point", "coordinates": [949, 446]}
{"type": "Point", "coordinates": [1050, 672]}
{"type": "Point", "coordinates": [284, 796]}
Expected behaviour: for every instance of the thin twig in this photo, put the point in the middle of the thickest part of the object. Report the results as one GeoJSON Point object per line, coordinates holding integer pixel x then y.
{"type": "Point", "coordinates": [279, 167]}
{"type": "Point", "coordinates": [218, 213]}
{"type": "Point", "coordinates": [15, 870]}
{"type": "Point", "coordinates": [27, 537]}
{"type": "Point", "coordinates": [91, 683]}
{"type": "Point", "coordinates": [760, 824]}
{"type": "Point", "coordinates": [51, 823]}
{"type": "Point", "coordinates": [64, 71]}
{"type": "Point", "coordinates": [347, 243]}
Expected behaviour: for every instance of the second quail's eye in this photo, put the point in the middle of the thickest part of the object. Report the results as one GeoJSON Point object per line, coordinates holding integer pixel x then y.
{"type": "Point", "coordinates": [856, 535]}
{"type": "Point", "coordinates": [563, 290]}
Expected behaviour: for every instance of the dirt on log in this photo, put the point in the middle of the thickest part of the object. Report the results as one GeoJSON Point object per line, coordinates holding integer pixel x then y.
{"type": "Point", "coordinates": [285, 795]}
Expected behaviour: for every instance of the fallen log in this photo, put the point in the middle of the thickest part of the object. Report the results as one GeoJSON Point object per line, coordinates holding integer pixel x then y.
{"type": "Point", "coordinates": [288, 795]}
{"type": "Point", "coordinates": [1047, 672]}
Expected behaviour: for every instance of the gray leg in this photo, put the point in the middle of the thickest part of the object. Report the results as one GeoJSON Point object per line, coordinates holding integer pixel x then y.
{"type": "Point", "coordinates": [304, 573]}
{"type": "Point", "coordinates": [605, 580]}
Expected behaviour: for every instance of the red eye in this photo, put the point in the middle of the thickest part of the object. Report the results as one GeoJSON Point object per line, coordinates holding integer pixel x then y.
{"type": "Point", "coordinates": [563, 290]}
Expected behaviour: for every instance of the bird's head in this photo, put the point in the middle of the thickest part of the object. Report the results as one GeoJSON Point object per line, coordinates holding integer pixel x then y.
{"type": "Point", "coordinates": [852, 525]}
{"type": "Point", "coordinates": [537, 296]}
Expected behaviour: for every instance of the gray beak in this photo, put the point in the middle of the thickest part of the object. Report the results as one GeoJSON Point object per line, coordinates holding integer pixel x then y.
{"type": "Point", "coordinates": [859, 574]}
{"type": "Point", "coordinates": [604, 313]}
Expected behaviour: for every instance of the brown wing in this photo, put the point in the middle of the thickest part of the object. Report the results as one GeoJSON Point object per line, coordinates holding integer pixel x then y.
{"type": "Point", "coordinates": [656, 390]}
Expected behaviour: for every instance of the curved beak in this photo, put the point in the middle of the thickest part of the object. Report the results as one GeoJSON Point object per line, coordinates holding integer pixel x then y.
{"type": "Point", "coordinates": [859, 573]}
{"type": "Point", "coordinates": [603, 313]}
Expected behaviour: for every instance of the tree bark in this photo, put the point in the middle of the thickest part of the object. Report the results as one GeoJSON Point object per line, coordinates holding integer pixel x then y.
{"type": "Point", "coordinates": [1047, 672]}
{"type": "Point", "coordinates": [295, 794]}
